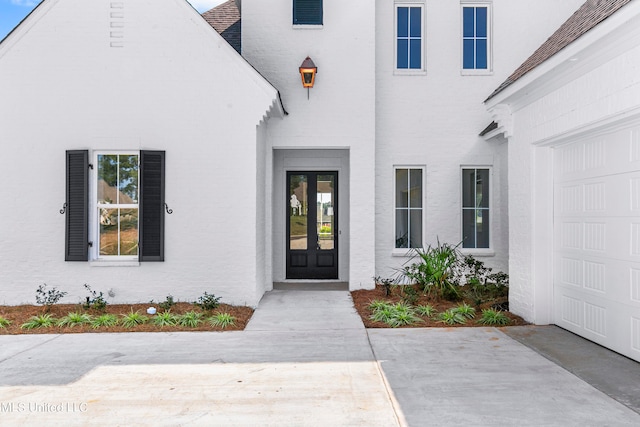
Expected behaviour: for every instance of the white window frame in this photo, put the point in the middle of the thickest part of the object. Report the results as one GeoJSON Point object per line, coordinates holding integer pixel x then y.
{"type": "Point", "coordinates": [423, 65]}
{"type": "Point", "coordinates": [94, 217]}
{"type": "Point", "coordinates": [409, 252]}
{"type": "Point", "coordinates": [477, 72]}
{"type": "Point", "coordinates": [477, 251]}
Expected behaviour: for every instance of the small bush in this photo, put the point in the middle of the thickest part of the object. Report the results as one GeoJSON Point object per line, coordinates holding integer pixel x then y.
{"type": "Point", "coordinates": [165, 318]}
{"type": "Point", "coordinates": [493, 318]}
{"type": "Point", "coordinates": [104, 320]}
{"type": "Point", "coordinates": [39, 321]}
{"type": "Point", "coordinates": [437, 270]}
{"type": "Point", "coordinates": [465, 310]}
{"type": "Point", "coordinates": [426, 310]}
{"type": "Point", "coordinates": [133, 319]}
{"type": "Point", "coordinates": [222, 320]}
{"type": "Point", "coordinates": [48, 297]}
{"type": "Point", "coordinates": [208, 302]}
{"type": "Point", "coordinates": [395, 315]}
{"type": "Point", "coordinates": [4, 322]}
{"type": "Point", "coordinates": [168, 303]}
{"type": "Point", "coordinates": [75, 319]}
{"type": "Point", "coordinates": [451, 317]}
{"type": "Point", "coordinates": [94, 300]}
{"type": "Point", "coordinates": [190, 319]}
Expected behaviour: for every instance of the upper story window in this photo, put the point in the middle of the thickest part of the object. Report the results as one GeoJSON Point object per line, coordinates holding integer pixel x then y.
{"type": "Point", "coordinates": [307, 12]}
{"type": "Point", "coordinates": [475, 208]}
{"type": "Point", "coordinates": [408, 207]}
{"type": "Point", "coordinates": [476, 38]}
{"type": "Point", "coordinates": [409, 37]}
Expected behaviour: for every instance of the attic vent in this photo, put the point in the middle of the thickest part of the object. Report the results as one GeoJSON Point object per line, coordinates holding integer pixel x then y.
{"type": "Point", "coordinates": [116, 21]}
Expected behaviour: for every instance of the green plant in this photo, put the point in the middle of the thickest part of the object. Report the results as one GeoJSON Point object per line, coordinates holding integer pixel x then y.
{"type": "Point", "coordinates": [39, 321]}
{"type": "Point", "coordinates": [482, 285]}
{"type": "Point", "coordinates": [104, 320]}
{"type": "Point", "coordinates": [377, 304]}
{"type": "Point", "coordinates": [133, 319]}
{"type": "Point", "coordinates": [493, 317]}
{"type": "Point", "coordinates": [409, 294]}
{"type": "Point", "coordinates": [168, 303]}
{"type": "Point", "coordinates": [94, 300]}
{"type": "Point", "coordinates": [208, 302]}
{"type": "Point", "coordinates": [465, 310]}
{"type": "Point", "coordinates": [4, 322]}
{"type": "Point", "coordinates": [74, 319]}
{"type": "Point", "coordinates": [190, 319]}
{"type": "Point", "coordinates": [165, 318]}
{"type": "Point", "coordinates": [451, 317]}
{"type": "Point", "coordinates": [395, 315]}
{"type": "Point", "coordinates": [426, 310]}
{"type": "Point", "coordinates": [384, 282]}
{"type": "Point", "coordinates": [222, 320]}
{"type": "Point", "coordinates": [437, 269]}
{"type": "Point", "coordinates": [48, 297]}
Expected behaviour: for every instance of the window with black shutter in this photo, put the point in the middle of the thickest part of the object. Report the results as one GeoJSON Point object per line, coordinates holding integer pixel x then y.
{"type": "Point", "coordinates": [151, 206]}
{"type": "Point", "coordinates": [307, 12]}
{"type": "Point", "coordinates": [77, 206]}
{"type": "Point", "coordinates": [129, 206]}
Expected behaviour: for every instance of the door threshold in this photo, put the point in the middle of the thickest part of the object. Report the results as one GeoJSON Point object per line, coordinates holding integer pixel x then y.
{"type": "Point", "coordinates": [311, 285]}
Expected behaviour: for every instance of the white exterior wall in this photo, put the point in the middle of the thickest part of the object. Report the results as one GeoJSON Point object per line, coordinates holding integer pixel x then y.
{"type": "Point", "coordinates": [339, 114]}
{"type": "Point", "coordinates": [433, 120]}
{"type": "Point", "coordinates": [591, 86]}
{"type": "Point", "coordinates": [175, 85]}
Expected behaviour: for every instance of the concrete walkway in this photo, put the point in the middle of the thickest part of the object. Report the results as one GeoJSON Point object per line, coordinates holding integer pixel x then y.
{"type": "Point", "coordinates": [305, 359]}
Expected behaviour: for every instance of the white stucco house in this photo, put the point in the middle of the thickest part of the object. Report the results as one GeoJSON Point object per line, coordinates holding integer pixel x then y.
{"type": "Point", "coordinates": [174, 153]}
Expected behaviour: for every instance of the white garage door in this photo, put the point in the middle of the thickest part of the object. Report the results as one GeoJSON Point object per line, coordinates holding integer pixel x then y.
{"type": "Point", "coordinates": [597, 239]}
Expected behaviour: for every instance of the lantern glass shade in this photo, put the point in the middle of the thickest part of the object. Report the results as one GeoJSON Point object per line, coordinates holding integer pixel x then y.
{"type": "Point", "coordinates": [308, 72]}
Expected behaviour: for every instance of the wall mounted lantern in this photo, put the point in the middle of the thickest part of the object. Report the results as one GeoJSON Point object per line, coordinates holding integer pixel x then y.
{"type": "Point", "coordinates": [308, 72]}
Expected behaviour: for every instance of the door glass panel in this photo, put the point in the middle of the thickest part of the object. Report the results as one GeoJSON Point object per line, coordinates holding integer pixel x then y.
{"type": "Point", "coordinates": [298, 206]}
{"type": "Point", "coordinates": [325, 212]}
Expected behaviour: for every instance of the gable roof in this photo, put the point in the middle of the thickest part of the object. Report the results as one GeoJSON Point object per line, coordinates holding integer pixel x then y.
{"type": "Point", "coordinates": [590, 14]}
{"type": "Point", "coordinates": [225, 19]}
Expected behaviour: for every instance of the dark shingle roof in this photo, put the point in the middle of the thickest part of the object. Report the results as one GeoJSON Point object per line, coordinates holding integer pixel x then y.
{"type": "Point", "coordinates": [225, 19]}
{"type": "Point", "coordinates": [590, 14]}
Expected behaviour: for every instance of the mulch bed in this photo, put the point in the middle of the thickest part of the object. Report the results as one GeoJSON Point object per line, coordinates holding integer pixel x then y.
{"type": "Point", "coordinates": [21, 314]}
{"type": "Point", "coordinates": [362, 298]}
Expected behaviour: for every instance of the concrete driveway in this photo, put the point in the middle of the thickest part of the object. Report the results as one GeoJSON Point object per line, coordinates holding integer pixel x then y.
{"type": "Point", "coordinates": [327, 370]}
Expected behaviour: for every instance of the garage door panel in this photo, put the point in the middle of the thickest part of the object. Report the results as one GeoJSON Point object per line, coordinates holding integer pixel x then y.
{"type": "Point", "coordinates": [609, 323]}
{"type": "Point", "coordinates": [596, 270]}
{"type": "Point", "coordinates": [614, 153]}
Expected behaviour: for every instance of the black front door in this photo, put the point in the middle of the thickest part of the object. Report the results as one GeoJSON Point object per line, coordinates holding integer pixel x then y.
{"type": "Point", "coordinates": [312, 224]}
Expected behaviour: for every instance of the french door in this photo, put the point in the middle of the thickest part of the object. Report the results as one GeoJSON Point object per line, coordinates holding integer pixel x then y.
{"type": "Point", "coordinates": [312, 224]}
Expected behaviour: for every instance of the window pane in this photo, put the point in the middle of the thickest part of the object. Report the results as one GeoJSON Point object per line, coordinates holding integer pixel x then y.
{"type": "Point", "coordinates": [468, 60]}
{"type": "Point", "coordinates": [482, 228]}
{"type": "Point", "coordinates": [403, 54]}
{"type": "Point", "coordinates": [324, 212]}
{"type": "Point", "coordinates": [416, 54]}
{"type": "Point", "coordinates": [298, 205]}
{"type": "Point", "coordinates": [481, 22]}
{"type": "Point", "coordinates": [468, 228]}
{"type": "Point", "coordinates": [128, 179]}
{"type": "Point", "coordinates": [403, 22]}
{"type": "Point", "coordinates": [415, 228]}
{"type": "Point", "coordinates": [416, 22]}
{"type": "Point", "coordinates": [482, 188]}
{"type": "Point", "coordinates": [107, 178]}
{"type": "Point", "coordinates": [467, 22]}
{"type": "Point", "coordinates": [128, 231]}
{"type": "Point", "coordinates": [402, 188]}
{"type": "Point", "coordinates": [415, 192]}
{"type": "Point", "coordinates": [468, 186]}
{"type": "Point", "coordinates": [481, 54]}
{"type": "Point", "coordinates": [402, 228]}
{"type": "Point", "coordinates": [108, 231]}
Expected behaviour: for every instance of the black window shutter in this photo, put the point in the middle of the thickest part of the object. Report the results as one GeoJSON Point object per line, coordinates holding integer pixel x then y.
{"type": "Point", "coordinates": [151, 231]}
{"type": "Point", "coordinates": [77, 206]}
{"type": "Point", "coordinates": [307, 12]}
